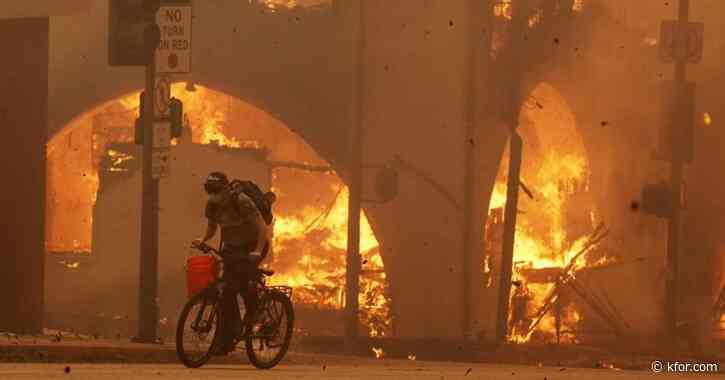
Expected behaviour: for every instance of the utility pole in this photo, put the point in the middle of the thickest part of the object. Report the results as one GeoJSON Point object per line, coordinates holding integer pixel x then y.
{"type": "Point", "coordinates": [674, 225]}
{"type": "Point", "coordinates": [475, 49]}
{"type": "Point", "coordinates": [512, 106]}
{"type": "Point", "coordinates": [149, 250]}
{"type": "Point", "coordinates": [509, 235]}
{"type": "Point", "coordinates": [352, 283]}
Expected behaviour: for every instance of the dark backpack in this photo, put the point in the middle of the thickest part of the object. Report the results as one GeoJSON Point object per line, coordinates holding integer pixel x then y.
{"type": "Point", "coordinates": [253, 191]}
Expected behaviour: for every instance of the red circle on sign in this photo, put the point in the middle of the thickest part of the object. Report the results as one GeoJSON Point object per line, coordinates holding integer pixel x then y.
{"type": "Point", "coordinates": [173, 60]}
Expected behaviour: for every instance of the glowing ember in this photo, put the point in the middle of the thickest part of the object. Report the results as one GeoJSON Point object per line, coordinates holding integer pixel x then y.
{"type": "Point", "coordinates": [274, 4]}
{"type": "Point", "coordinates": [411, 357]}
{"type": "Point", "coordinates": [503, 9]}
{"type": "Point", "coordinates": [578, 5]}
{"type": "Point", "coordinates": [379, 353]}
{"type": "Point", "coordinates": [706, 118]}
{"type": "Point", "coordinates": [73, 265]}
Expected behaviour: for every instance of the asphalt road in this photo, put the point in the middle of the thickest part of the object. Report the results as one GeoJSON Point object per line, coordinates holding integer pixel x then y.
{"type": "Point", "coordinates": [366, 370]}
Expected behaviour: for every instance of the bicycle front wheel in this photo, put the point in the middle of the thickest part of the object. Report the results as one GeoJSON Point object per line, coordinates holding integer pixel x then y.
{"type": "Point", "coordinates": [270, 339]}
{"type": "Point", "coordinates": [196, 330]}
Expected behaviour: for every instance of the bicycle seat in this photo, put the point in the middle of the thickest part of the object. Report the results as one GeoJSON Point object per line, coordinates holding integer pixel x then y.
{"type": "Point", "coordinates": [266, 272]}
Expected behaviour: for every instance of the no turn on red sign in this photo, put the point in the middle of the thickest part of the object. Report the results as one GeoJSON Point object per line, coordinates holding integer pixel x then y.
{"type": "Point", "coordinates": [174, 52]}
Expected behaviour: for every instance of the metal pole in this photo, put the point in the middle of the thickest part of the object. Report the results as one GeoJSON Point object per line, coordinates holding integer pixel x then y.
{"type": "Point", "coordinates": [673, 227]}
{"type": "Point", "coordinates": [509, 233]}
{"type": "Point", "coordinates": [148, 259]}
{"type": "Point", "coordinates": [516, 49]}
{"type": "Point", "coordinates": [476, 10]}
{"type": "Point", "coordinates": [352, 283]}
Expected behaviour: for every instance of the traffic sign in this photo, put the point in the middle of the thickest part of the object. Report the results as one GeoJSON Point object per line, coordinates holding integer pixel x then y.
{"type": "Point", "coordinates": [162, 97]}
{"type": "Point", "coordinates": [160, 162]}
{"type": "Point", "coordinates": [174, 52]}
{"type": "Point", "coordinates": [162, 134]}
{"type": "Point", "coordinates": [681, 44]}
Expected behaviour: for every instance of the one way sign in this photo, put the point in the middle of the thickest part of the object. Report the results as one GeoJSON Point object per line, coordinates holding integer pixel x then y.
{"type": "Point", "coordinates": [174, 52]}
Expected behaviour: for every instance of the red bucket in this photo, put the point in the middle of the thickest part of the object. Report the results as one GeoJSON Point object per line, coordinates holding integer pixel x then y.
{"type": "Point", "coordinates": [201, 271]}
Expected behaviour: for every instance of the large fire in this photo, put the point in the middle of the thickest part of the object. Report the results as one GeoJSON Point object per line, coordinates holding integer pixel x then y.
{"type": "Point", "coordinates": [555, 170]}
{"type": "Point", "coordinates": [310, 228]}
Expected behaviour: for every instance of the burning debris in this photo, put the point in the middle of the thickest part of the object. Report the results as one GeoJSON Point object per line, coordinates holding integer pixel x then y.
{"type": "Point", "coordinates": [312, 260]}
{"type": "Point", "coordinates": [553, 237]}
{"type": "Point", "coordinates": [117, 159]}
{"type": "Point", "coordinates": [379, 353]}
{"type": "Point", "coordinates": [567, 277]}
{"type": "Point", "coordinates": [70, 265]}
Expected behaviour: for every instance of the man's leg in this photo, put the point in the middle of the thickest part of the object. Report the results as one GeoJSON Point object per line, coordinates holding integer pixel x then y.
{"type": "Point", "coordinates": [230, 318]}
{"type": "Point", "coordinates": [249, 292]}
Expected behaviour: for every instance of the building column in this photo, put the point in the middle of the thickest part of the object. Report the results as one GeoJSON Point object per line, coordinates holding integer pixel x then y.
{"type": "Point", "coordinates": [23, 119]}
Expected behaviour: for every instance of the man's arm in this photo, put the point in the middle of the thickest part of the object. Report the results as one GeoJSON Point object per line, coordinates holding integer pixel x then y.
{"type": "Point", "coordinates": [210, 232]}
{"type": "Point", "coordinates": [261, 234]}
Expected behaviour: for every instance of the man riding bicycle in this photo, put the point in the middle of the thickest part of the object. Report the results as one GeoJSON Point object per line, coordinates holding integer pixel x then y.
{"type": "Point", "coordinates": [244, 243]}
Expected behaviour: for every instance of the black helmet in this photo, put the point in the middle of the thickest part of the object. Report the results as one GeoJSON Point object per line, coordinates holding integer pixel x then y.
{"type": "Point", "coordinates": [215, 182]}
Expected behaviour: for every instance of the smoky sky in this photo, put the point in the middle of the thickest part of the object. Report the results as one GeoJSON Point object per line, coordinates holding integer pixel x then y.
{"type": "Point", "coordinates": [41, 8]}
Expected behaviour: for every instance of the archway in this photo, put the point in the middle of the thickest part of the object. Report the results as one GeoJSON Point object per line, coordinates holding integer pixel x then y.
{"type": "Point", "coordinates": [554, 221]}
{"type": "Point", "coordinates": [310, 232]}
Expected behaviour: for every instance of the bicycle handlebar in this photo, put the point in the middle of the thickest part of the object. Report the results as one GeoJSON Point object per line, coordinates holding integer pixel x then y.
{"type": "Point", "coordinates": [205, 248]}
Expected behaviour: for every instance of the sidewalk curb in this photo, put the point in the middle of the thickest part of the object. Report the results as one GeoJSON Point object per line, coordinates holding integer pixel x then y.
{"type": "Point", "coordinates": [101, 353]}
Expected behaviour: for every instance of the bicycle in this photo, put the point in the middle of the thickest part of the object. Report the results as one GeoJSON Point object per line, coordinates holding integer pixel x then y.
{"type": "Point", "coordinates": [272, 325]}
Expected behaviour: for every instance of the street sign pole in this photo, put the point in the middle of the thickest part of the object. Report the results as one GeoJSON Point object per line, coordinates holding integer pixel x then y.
{"type": "Point", "coordinates": [353, 260]}
{"type": "Point", "coordinates": [674, 225]}
{"type": "Point", "coordinates": [148, 260]}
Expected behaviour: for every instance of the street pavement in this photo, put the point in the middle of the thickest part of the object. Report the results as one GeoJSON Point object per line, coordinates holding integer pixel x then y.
{"type": "Point", "coordinates": [352, 369]}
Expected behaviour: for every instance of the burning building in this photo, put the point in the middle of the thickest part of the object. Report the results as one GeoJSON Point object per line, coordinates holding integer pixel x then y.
{"type": "Point", "coordinates": [99, 240]}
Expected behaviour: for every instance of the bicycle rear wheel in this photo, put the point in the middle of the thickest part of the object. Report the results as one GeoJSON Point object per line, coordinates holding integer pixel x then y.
{"type": "Point", "coordinates": [270, 339]}
{"type": "Point", "coordinates": [196, 330]}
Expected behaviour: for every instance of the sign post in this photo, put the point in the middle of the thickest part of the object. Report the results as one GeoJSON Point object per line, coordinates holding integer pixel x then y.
{"type": "Point", "coordinates": [681, 43]}
{"type": "Point", "coordinates": [149, 252]}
